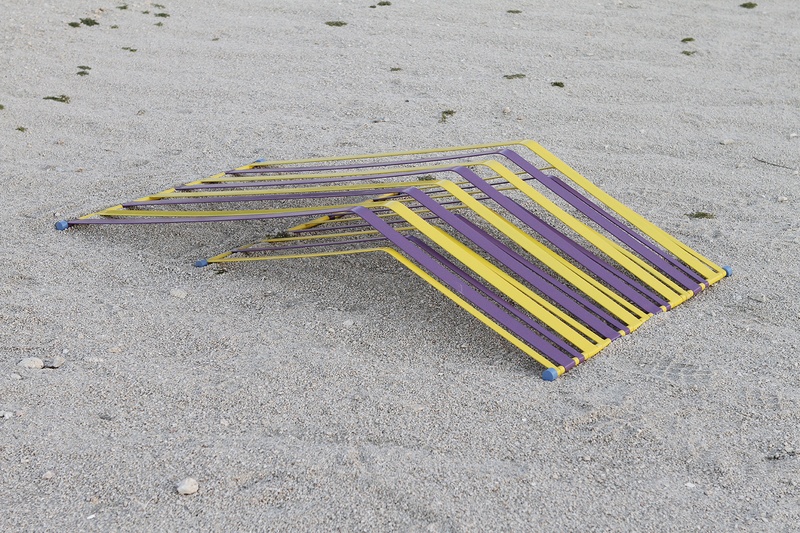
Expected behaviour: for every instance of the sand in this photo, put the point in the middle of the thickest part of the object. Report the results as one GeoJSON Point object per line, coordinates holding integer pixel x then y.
{"type": "Point", "coordinates": [346, 394]}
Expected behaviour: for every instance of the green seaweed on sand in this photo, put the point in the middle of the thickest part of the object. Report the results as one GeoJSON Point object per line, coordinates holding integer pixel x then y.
{"type": "Point", "coordinates": [700, 214]}
{"type": "Point", "coordinates": [63, 98]}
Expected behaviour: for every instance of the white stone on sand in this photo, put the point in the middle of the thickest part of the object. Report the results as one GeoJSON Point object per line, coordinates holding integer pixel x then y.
{"type": "Point", "coordinates": [31, 362]}
{"type": "Point", "coordinates": [188, 486]}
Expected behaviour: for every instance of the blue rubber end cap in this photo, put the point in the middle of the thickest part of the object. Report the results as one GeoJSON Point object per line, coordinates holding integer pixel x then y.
{"type": "Point", "coordinates": [61, 225]}
{"type": "Point", "coordinates": [550, 374]}
{"type": "Point", "coordinates": [728, 271]}
{"type": "Point", "coordinates": [259, 160]}
{"type": "Point", "coordinates": [200, 263]}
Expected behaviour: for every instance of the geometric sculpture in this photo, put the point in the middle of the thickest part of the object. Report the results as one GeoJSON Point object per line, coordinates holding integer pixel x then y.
{"type": "Point", "coordinates": [534, 250]}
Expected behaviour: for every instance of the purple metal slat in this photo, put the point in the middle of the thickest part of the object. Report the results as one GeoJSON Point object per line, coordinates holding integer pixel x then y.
{"type": "Point", "coordinates": [567, 289]}
{"type": "Point", "coordinates": [309, 245]}
{"type": "Point", "coordinates": [326, 229]}
{"type": "Point", "coordinates": [260, 197]}
{"type": "Point", "coordinates": [318, 181]}
{"type": "Point", "coordinates": [222, 218]}
{"type": "Point", "coordinates": [463, 288]}
{"type": "Point", "coordinates": [351, 166]}
{"type": "Point", "coordinates": [540, 328]}
{"type": "Point", "coordinates": [626, 286]}
{"type": "Point", "coordinates": [691, 280]}
{"type": "Point", "coordinates": [129, 220]}
{"type": "Point", "coordinates": [527, 271]}
{"type": "Point", "coordinates": [280, 183]}
{"type": "Point", "coordinates": [622, 232]}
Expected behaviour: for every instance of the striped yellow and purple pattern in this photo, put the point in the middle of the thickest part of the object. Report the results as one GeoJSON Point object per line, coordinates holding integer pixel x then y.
{"type": "Point", "coordinates": [508, 231]}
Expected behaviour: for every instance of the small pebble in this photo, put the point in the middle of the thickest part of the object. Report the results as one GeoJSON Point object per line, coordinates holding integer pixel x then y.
{"type": "Point", "coordinates": [792, 135]}
{"type": "Point", "coordinates": [6, 414]}
{"type": "Point", "coordinates": [348, 323]}
{"type": "Point", "coordinates": [690, 485]}
{"type": "Point", "coordinates": [15, 376]}
{"type": "Point", "coordinates": [115, 349]}
{"type": "Point", "coordinates": [31, 362]}
{"type": "Point", "coordinates": [188, 486]}
{"type": "Point", "coordinates": [782, 199]}
{"type": "Point", "coordinates": [758, 298]}
{"type": "Point", "coordinates": [506, 110]}
{"type": "Point", "coordinates": [727, 142]}
{"type": "Point", "coordinates": [48, 475]}
{"type": "Point", "coordinates": [54, 362]}
{"type": "Point", "coordinates": [178, 293]}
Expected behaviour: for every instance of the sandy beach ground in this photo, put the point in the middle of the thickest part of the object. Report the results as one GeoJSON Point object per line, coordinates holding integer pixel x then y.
{"type": "Point", "coordinates": [346, 393]}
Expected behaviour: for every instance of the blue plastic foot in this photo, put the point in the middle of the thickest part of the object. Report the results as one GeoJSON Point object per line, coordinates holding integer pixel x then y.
{"type": "Point", "coordinates": [550, 374]}
{"type": "Point", "coordinates": [728, 271]}
{"type": "Point", "coordinates": [61, 225]}
{"type": "Point", "coordinates": [200, 263]}
{"type": "Point", "coordinates": [259, 160]}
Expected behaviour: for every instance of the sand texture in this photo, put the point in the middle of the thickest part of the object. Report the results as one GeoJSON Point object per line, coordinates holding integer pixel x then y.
{"type": "Point", "coordinates": [345, 393]}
